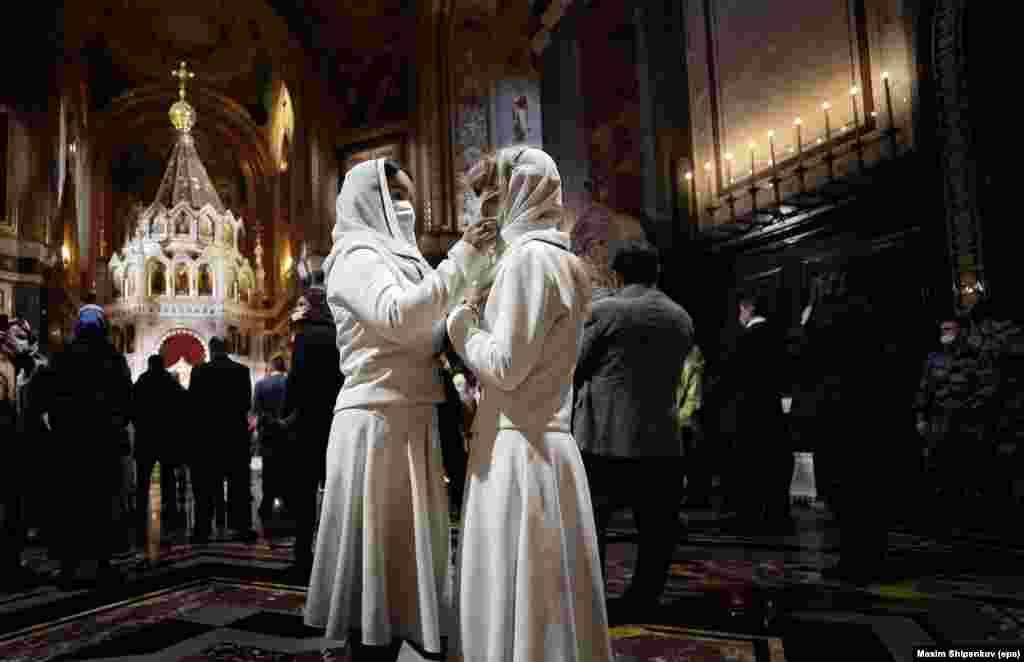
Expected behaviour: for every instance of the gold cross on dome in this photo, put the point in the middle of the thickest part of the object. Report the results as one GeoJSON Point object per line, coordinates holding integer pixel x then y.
{"type": "Point", "coordinates": [182, 74]}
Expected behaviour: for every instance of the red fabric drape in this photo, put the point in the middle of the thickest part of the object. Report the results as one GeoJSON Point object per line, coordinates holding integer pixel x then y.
{"type": "Point", "coordinates": [182, 345]}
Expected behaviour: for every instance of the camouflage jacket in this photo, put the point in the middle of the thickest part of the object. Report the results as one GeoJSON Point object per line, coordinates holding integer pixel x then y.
{"type": "Point", "coordinates": [1002, 343]}
{"type": "Point", "coordinates": [960, 381]}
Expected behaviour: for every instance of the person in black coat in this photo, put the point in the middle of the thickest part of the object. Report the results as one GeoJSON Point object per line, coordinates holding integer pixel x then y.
{"type": "Point", "coordinates": [310, 395]}
{"type": "Point", "coordinates": [156, 392]}
{"type": "Point", "coordinates": [268, 402]}
{"type": "Point", "coordinates": [86, 399]}
{"type": "Point", "coordinates": [764, 452]}
{"type": "Point", "coordinates": [848, 347]}
{"type": "Point", "coordinates": [221, 395]}
{"type": "Point", "coordinates": [626, 414]}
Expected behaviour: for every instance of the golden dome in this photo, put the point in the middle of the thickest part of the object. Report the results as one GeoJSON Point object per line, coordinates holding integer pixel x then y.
{"type": "Point", "coordinates": [182, 115]}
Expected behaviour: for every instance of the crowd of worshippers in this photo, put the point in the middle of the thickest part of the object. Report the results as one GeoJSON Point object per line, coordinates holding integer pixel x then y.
{"type": "Point", "coordinates": [501, 387]}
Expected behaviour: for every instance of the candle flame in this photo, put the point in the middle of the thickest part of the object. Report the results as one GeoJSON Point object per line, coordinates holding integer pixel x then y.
{"type": "Point", "coordinates": [728, 157]}
{"type": "Point", "coordinates": [854, 91]}
{"type": "Point", "coordinates": [885, 75]}
{"type": "Point", "coordinates": [753, 145]}
{"type": "Point", "coordinates": [826, 105]}
{"type": "Point", "coordinates": [771, 134]}
{"type": "Point", "coordinates": [689, 176]}
{"type": "Point", "coordinates": [798, 121]}
{"type": "Point", "coordinates": [707, 165]}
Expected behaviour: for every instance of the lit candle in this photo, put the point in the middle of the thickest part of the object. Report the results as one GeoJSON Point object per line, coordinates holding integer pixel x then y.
{"type": "Point", "coordinates": [753, 148]}
{"type": "Point", "coordinates": [693, 189]}
{"type": "Point", "coordinates": [799, 136]}
{"type": "Point", "coordinates": [888, 98]}
{"type": "Point", "coordinates": [711, 181]}
{"type": "Point", "coordinates": [828, 127]}
{"type": "Point", "coordinates": [771, 146]}
{"type": "Point", "coordinates": [853, 100]}
{"type": "Point", "coordinates": [728, 168]}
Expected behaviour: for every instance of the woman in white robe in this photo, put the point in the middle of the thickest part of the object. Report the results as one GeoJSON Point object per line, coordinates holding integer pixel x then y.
{"type": "Point", "coordinates": [530, 582]}
{"type": "Point", "coordinates": [381, 554]}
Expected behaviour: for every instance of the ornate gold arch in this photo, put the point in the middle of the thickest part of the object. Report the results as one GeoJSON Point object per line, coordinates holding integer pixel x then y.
{"type": "Point", "coordinates": [144, 109]}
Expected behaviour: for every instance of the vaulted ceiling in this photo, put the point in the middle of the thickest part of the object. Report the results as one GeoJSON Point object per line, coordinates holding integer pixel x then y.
{"type": "Point", "coordinates": [364, 50]}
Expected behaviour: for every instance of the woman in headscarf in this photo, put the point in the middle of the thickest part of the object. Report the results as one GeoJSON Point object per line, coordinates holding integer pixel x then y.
{"type": "Point", "coordinates": [381, 551]}
{"type": "Point", "coordinates": [530, 585]}
{"type": "Point", "coordinates": [87, 400]}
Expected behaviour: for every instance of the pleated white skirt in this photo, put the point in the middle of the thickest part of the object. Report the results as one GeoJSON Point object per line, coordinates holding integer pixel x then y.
{"type": "Point", "coordinates": [381, 551]}
{"type": "Point", "coordinates": [529, 581]}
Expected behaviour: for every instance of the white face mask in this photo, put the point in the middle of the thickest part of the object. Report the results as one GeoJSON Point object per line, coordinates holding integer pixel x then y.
{"type": "Point", "coordinates": [406, 215]}
{"type": "Point", "coordinates": [947, 339]}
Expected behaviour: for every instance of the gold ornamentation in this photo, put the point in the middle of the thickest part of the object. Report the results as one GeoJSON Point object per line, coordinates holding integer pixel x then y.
{"type": "Point", "coordinates": [182, 115]}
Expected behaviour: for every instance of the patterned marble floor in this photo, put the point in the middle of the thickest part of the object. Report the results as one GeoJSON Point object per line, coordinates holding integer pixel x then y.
{"type": "Point", "coordinates": [755, 598]}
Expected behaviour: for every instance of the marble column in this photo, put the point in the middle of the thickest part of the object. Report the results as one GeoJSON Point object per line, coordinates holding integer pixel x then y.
{"type": "Point", "coordinates": [431, 144]}
{"type": "Point", "coordinates": [562, 107]}
{"type": "Point", "coordinates": [664, 115]}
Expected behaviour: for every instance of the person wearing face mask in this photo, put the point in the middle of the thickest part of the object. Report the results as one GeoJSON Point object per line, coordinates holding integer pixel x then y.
{"type": "Point", "coordinates": [381, 551]}
{"type": "Point", "coordinates": [530, 584]}
{"type": "Point", "coordinates": [950, 414]}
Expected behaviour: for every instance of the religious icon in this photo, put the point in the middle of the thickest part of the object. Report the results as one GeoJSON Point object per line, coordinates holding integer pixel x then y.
{"type": "Point", "coordinates": [205, 282]}
{"type": "Point", "coordinates": [182, 225]}
{"type": "Point", "coordinates": [181, 281]}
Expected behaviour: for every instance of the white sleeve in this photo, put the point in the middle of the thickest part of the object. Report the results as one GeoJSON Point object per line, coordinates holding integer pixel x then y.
{"type": "Point", "coordinates": [363, 284]}
{"type": "Point", "coordinates": [505, 356]}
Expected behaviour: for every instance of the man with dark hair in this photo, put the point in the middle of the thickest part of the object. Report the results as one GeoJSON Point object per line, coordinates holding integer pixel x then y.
{"type": "Point", "coordinates": [267, 404]}
{"type": "Point", "coordinates": [155, 393]}
{"type": "Point", "coordinates": [307, 412]}
{"type": "Point", "coordinates": [221, 393]}
{"type": "Point", "coordinates": [625, 420]}
{"type": "Point", "coordinates": [754, 380]}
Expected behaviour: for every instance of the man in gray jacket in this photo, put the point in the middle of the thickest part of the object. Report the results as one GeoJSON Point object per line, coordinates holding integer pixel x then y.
{"type": "Point", "coordinates": [626, 413]}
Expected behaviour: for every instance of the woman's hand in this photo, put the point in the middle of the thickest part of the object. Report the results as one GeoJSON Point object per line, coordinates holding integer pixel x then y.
{"type": "Point", "coordinates": [482, 235]}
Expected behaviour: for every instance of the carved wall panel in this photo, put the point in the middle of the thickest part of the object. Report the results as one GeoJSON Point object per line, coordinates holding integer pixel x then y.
{"type": "Point", "coordinates": [743, 87]}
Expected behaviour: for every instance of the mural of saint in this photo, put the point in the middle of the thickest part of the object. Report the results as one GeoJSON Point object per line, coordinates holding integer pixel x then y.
{"type": "Point", "coordinates": [181, 281]}
{"type": "Point", "coordinates": [205, 282]}
{"type": "Point", "coordinates": [158, 280]}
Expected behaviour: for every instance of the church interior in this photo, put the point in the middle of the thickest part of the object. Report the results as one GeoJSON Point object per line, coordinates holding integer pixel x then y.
{"type": "Point", "coordinates": [177, 164]}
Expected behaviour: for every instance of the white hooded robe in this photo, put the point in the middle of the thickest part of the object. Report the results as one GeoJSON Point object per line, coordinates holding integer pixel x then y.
{"type": "Point", "coordinates": [381, 552]}
{"type": "Point", "coordinates": [530, 583]}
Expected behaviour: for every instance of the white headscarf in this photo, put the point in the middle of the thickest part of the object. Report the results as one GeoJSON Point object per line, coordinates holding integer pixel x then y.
{"type": "Point", "coordinates": [364, 211]}
{"type": "Point", "coordinates": [534, 199]}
